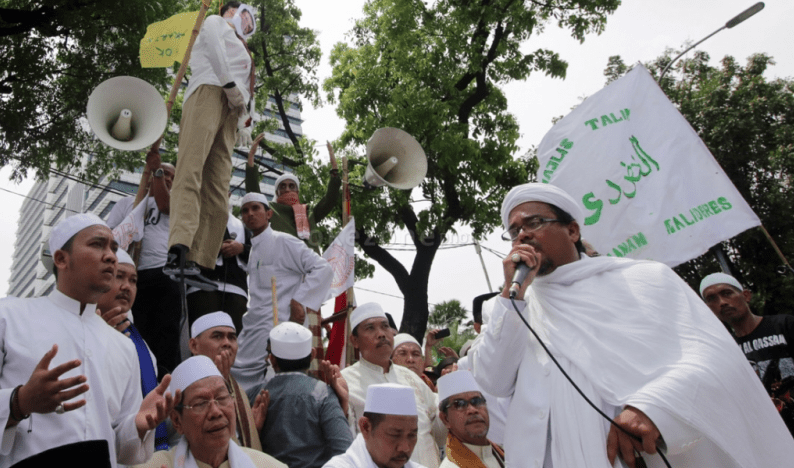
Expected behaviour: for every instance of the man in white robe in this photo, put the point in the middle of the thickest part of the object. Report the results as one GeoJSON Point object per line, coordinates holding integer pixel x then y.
{"type": "Point", "coordinates": [56, 348]}
{"type": "Point", "coordinates": [637, 341]}
{"type": "Point", "coordinates": [388, 431]}
{"type": "Point", "coordinates": [206, 419]}
{"type": "Point", "coordinates": [373, 337]}
{"type": "Point", "coordinates": [302, 281]}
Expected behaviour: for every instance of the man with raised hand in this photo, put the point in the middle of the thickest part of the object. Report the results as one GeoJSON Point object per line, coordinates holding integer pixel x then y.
{"type": "Point", "coordinates": [387, 431]}
{"type": "Point", "coordinates": [213, 335]}
{"type": "Point", "coordinates": [206, 419]}
{"type": "Point", "coordinates": [56, 348]}
{"type": "Point", "coordinates": [372, 336]}
{"type": "Point", "coordinates": [464, 411]}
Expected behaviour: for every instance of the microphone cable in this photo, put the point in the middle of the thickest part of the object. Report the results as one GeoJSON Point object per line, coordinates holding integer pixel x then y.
{"type": "Point", "coordinates": [576, 387]}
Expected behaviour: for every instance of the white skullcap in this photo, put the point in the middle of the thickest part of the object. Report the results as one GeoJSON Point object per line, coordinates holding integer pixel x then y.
{"type": "Point", "coordinates": [393, 399]}
{"type": "Point", "coordinates": [460, 381]}
{"type": "Point", "coordinates": [207, 321]}
{"type": "Point", "coordinates": [402, 338]}
{"type": "Point", "coordinates": [288, 340]}
{"type": "Point", "coordinates": [191, 370]}
{"type": "Point", "coordinates": [537, 192]}
{"type": "Point", "coordinates": [364, 312]}
{"type": "Point", "coordinates": [70, 226]}
{"type": "Point", "coordinates": [719, 278]}
{"type": "Point", "coordinates": [255, 197]}
{"type": "Point", "coordinates": [124, 257]}
{"type": "Point", "coordinates": [287, 176]}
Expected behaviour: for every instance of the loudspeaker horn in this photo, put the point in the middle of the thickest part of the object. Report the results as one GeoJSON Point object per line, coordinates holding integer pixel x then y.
{"type": "Point", "coordinates": [127, 113]}
{"type": "Point", "coordinates": [395, 159]}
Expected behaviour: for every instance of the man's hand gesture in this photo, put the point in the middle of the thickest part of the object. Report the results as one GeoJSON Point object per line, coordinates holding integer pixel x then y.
{"type": "Point", "coordinates": [260, 409]}
{"type": "Point", "coordinates": [155, 407]}
{"type": "Point", "coordinates": [637, 423]}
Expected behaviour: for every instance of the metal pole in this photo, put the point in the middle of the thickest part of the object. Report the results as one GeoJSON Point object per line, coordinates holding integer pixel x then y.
{"type": "Point", "coordinates": [479, 253]}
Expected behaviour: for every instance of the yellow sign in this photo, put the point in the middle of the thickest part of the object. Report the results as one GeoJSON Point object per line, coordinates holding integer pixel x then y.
{"type": "Point", "coordinates": [166, 41]}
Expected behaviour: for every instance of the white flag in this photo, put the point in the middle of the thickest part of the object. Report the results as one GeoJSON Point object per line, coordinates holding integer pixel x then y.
{"type": "Point", "coordinates": [341, 257]}
{"type": "Point", "coordinates": [131, 229]}
{"type": "Point", "coordinates": [648, 186]}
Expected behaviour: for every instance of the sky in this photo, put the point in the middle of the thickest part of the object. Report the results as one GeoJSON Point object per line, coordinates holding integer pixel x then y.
{"type": "Point", "coordinates": [639, 30]}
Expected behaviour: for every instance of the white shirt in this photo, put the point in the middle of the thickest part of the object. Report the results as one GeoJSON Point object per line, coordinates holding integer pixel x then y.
{"type": "Point", "coordinates": [219, 57]}
{"type": "Point", "coordinates": [431, 431]}
{"type": "Point", "coordinates": [483, 452]}
{"type": "Point", "coordinates": [300, 274]}
{"type": "Point", "coordinates": [357, 456]}
{"type": "Point", "coordinates": [28, 329]}
{"type": "Point", "coordinates": [154, 245]}
{"type": "Point", "coordinates": [628, 333]}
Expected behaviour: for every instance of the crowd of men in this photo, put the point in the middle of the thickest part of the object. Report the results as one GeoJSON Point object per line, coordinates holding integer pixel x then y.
{"type": "Point", "coordinates": [586, 362]}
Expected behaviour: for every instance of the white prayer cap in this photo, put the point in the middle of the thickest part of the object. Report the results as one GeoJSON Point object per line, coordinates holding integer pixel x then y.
{"type": "Point", "coordinates": [460, 381]}
{"type": "Point", "coordinates": [287, 176]}
{"type": "Point", "coordinates": [255, 197]}
{"type": "Point", "coordinates": [191, 370]}
{"type": "Point", "coordinates": [393, 399]}
{"type": "Point", "coordinates": [124, 257]}
{"type": "Point", "coordinates": [719, 278]}
{"type": "Point", "coordinates": [70, 226]}
{"type": "Point", "coordinates": [402, 338]}
{"type": "Point", "coordinates": [215, 319]}
{"type": "Point", "coordinates": [364, 312]}
{"type": "Point", "coordinates": [545, 193]}
{"type": "Point", "coordinates": [288, 340]}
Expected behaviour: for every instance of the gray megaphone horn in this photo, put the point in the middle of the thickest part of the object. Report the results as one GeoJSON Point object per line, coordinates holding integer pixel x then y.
{"type": "Point", "coordinates": [395, 159]}
{"type": "Point", "coordinates": [127, 113]}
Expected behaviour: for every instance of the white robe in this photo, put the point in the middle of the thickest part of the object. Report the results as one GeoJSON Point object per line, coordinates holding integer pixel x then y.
{"type": "Point", "coordinates": [300, 274]}
{"type": "Point", "coordinates": [432, 432]}
{"type": "Point", "coordinates": [357, 456]}
{"type": "Point", "coordinates": [483, 452]}
{"type": "Point", "coordinates": [629, 333]}
{"type": "Point", "coordinates": [28, 329]}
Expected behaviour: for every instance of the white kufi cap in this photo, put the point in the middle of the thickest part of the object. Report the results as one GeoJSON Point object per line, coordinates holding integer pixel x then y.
{"type": "Point", "coordinates": [124, 257]}
{"type": "Point", "coordinates": [191, 370]}
{"type": "Point", "coordinates": [70, 226]}
{"type": "Point", "coordinates": [207, 321]}
{"type": "Point", "coordinates": [460, 381]}
{"type": "Point", "coordinates": [545, 193]}
{"type": "Point", "coordinates": [255, 197]}
{"type": "Point", "coordinates": [719, 278]}
{"type": "Point", "coordinates": [288, 340]}
{"type": "Point", "coordinates": [402, 338]}
{"type": "Point", "coordinates": [364, 312]}
{"type": "Point", "coordinates": [393, 399]}
{"type": "Point", "coordinates": [287, 176]}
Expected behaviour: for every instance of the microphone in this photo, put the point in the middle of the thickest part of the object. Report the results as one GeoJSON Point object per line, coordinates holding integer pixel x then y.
{"type": "Point", "coordinates": [518, 279]}
{"type": "Point", "coordinates": [233, 235]}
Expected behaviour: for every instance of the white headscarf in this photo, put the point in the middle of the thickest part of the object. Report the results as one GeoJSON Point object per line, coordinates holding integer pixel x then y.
{"type": "Point", "coordinates": [545, 193]}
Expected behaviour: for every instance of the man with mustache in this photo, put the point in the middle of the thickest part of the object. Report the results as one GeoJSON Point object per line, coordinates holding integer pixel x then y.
{"type": "Point", "coordinates": [463, 410]}
{"type": "Point", "coordinates": [637, 341]}
{"type": "Point", "coordinates": [765, 341]}
{"type": "Point", "coordinates": [388, 431]}
{"type": "Point", "coordinates": [373, 337]}
{"type": "Point", "coordinates": [206, 419]}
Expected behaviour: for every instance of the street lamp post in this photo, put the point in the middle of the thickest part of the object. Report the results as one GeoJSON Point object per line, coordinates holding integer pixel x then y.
{"type": "Point", "coordinates": [731, 23]}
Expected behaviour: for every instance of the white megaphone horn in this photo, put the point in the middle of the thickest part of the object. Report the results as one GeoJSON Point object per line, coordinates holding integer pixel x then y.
{"type": "Point", "coordinates": [395, 159]}
{"type": "Point", "coordinates": [127, 113]}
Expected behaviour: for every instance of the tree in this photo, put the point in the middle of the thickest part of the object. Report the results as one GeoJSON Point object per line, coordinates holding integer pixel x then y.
{"type": "Point", "coordinates": [435, 71]}
{"type": "Point", "coordinates": [447, 313]}
{"type": "Point", "coordinates": [55, 52]}
{"type": "Point", "coordinates": [747, 122]}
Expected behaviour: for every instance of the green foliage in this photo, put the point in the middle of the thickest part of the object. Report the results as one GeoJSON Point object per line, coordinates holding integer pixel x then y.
{"type": "Point", "coordinates": [435, 71]}
{"type": "Point", "coordinates": [447, 313]}
{"type": "Point", "coordinates": [747, 122]}
{"type": "Point", "coordinates": [55, 52]}
{"type": "Point", "coordinates": [457, 338]}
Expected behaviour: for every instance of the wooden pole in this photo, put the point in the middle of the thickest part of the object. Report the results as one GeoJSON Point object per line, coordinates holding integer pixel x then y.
{"type": "Point", "coordinates": [349, 350]}
{"type": "Point", "coordinates": [275, 301]}
{"type": "Point", "coordinates": [774, 246]}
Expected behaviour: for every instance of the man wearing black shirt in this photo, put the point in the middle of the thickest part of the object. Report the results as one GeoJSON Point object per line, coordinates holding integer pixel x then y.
{"type": "Point", "coordinates": [767, 342]}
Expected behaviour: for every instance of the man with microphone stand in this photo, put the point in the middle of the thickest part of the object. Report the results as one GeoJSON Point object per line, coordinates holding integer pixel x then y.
{"type": "Point", "coordinates": [627, 339]}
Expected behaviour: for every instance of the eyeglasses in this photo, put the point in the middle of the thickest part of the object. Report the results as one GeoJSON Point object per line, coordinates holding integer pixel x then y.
{"type": "Point", "coordinates": [460, 404]}
{"type": "Point", "coordinates": [533, 223]}
{"type": "Point", "coordinates": [202, 406]}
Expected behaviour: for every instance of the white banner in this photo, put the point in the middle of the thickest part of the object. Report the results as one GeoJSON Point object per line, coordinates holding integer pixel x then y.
{"type": "Point", "coordinates": [340, 254]}
{"type": "Point", "coordinates": [648, 186]}
{"type": "Point", "coordinates": [131, 229]}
